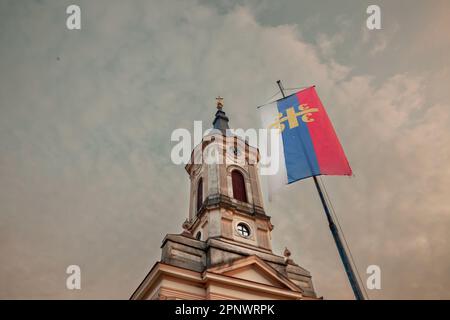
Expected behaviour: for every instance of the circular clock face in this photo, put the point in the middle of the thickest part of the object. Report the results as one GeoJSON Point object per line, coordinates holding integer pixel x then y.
{"type": "Point", "coordinates": [235, 151]}
{"type": "Point", "coordinates": [243, 230]}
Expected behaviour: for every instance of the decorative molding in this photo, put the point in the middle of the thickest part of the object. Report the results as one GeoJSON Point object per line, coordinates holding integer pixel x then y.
{"type": "Point", "coordinates": [211, 276]}
{"type": "Point", "coordinates": [255, 260]}
{"type": "Point", "coordinates": [220, 200]}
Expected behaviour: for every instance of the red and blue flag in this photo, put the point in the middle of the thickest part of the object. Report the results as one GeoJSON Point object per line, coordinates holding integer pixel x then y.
{"type": "Point", "coordinates": [309, 145]}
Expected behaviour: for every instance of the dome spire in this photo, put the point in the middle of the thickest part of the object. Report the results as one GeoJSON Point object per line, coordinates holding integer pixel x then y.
{"type": "Point", "coordinates": [221, 120]}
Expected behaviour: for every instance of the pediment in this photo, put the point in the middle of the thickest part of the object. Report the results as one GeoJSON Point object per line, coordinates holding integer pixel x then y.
{"type": "Point", "coordinates": [256, 270]}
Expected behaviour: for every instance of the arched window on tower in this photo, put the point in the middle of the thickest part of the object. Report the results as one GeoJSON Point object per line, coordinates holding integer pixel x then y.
{"type": "Point", "coordinates": [199, 194]}
{"type": "Point", "coordinates": [238, 186]}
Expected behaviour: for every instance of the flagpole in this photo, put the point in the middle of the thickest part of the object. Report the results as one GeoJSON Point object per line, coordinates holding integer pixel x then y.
{"type": "Point", "coordinates": [336, 236]}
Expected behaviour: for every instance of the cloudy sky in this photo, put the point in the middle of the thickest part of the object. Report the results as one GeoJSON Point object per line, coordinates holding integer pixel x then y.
{"type": "Point", "coordinates": [86, 117]}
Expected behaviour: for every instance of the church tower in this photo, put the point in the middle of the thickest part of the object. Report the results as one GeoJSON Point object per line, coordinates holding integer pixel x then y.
{"type": "Point", "coordinates": [225, 250]}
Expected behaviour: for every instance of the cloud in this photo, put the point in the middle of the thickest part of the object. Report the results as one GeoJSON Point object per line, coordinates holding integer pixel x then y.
{"type": "Point", "coordinates": [85, 167]}
{"type": "Point", "coordinates": [328, 44]}
{"type": "Point", "coordinates": [378, 41]}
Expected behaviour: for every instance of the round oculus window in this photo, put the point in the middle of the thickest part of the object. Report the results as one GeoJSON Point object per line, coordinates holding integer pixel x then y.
{"type": "Point", "coordinates": [243, 230]}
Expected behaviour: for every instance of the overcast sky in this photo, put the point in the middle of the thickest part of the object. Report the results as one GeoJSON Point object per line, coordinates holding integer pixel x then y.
{"type": "Point", "coordinates": [86, 117]}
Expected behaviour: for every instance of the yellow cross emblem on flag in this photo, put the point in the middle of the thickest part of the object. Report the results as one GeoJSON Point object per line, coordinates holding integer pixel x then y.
{"type": "Point", "coordinates": [304, 112]}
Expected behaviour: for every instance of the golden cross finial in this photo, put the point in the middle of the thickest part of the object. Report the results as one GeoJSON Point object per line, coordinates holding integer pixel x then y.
{"type": "Point", "coordinates": [219, 100]}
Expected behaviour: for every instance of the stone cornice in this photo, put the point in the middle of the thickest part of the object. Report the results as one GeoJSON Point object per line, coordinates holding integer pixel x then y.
{"type": "Point", "coordinates": [223, 201]}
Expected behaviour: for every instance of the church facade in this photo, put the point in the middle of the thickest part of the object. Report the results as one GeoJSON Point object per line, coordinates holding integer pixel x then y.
{"type": "Point", "coordinates": [225, 250]}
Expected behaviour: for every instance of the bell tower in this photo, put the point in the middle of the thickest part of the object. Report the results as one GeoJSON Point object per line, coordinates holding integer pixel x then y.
{"type": "Point", "coordinates": [225, 199]}
{"type": "Point", "coordinates": [225, 250]}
